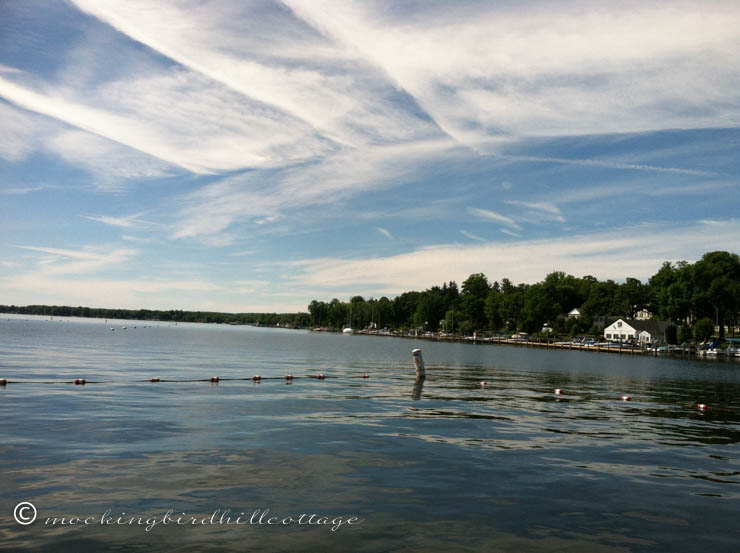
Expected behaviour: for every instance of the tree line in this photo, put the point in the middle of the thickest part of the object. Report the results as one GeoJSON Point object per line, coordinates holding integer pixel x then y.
{"type": "Point", "coordinates": [174, 315]}
{"type": "Point", "coordinates": [696, 296]}
{"type": "Point", "coordinates": [708, 290]}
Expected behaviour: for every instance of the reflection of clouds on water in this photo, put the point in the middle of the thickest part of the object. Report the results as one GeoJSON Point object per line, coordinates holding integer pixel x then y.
{"type": "Point", "coordinates": [446, 466]}
{"type": "Point", "coordinates": [288, 483]}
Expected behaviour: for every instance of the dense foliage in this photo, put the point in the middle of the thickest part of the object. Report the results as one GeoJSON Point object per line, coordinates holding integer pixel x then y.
{"type": "Point", "coordinates": [175, 315]}
{"type": "Point", "coordinates": [682, 292]}
{"type": "Point", "coordinates": [707, 291]}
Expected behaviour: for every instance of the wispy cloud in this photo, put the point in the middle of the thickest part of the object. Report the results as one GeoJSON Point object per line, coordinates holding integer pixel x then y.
{"type": "Point", "coordinates": [115, 167]}
{"type": "Point", "coordinates": [547, 210]}
{"type": "Point", "coordinates": [228, 127]}
{"type": "Point", "coordinates": [472, 236]}
{"type": "Point", "coordinates": [17, 139]}
{"type": "Point", "coordinates": [611, 164]}
{"type": "Point", "coordinates": [253, 196]}
{"type": "Point", "coordinates": [20, 190]}
{"type": "Point", "coordinates": [130, 238]}
{"type": "Point", "coordinates": [127, 221]}
{"type": "Point", "coordinates": [278, 61]}
{"type": "Point", "coordinates": [178, 110]}
{"type": "Point", "coordinates": [242, 253]}
{"type": "Point", "coordinates": [493, 216]}
{"type": "Point", "coordinates": [490, 72]}
{"type": "Point", "coordinates": [384, 232]}
{"type": "Point", "coordinates": [617, 254]}
{"type": "Point", "coordinates": [62, 261]}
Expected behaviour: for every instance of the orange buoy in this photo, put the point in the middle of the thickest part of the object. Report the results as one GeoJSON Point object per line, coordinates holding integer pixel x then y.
{"type": "Point", "coordinates": [701, 407]}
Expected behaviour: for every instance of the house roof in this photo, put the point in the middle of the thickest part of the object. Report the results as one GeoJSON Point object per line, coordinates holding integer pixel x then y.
{"type": "Point", "coordinates": [652, 327]}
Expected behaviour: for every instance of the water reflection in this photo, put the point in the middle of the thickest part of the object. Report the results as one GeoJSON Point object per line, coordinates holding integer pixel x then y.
{"type": "Point", "coordinates": [455, 466]}
{"type": "Point", "coordinates": [418, 387]}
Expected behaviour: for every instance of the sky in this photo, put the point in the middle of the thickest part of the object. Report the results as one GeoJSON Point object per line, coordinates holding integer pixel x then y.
{"type": "Point", "coordinates": [252, 156]}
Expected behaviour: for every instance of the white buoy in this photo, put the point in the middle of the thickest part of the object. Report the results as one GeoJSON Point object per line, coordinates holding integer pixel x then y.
{"type": "Point", "coordinates": [418, 363]}
{"type": "Point", "coordinates": [558, 391]}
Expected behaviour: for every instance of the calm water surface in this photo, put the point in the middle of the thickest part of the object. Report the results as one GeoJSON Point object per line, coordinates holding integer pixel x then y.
{"type": "Point", "coordinates": [446, 466]}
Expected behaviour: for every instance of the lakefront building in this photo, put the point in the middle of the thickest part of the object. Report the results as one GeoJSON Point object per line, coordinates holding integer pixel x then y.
{"type": "Point", "coordinates": [635, 330]}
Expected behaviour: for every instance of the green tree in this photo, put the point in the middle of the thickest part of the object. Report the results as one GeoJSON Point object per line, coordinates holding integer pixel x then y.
{"type": "Point", "coordinates": [685, 333]}
{"type": "Point", "coordinates": [492, 309]}
{"type": "Point", "coordinates": [703, 329]}
{"type": "Point", "coordinates": [632, 296]}
{"type": "Point", "coordinates": [717, 286]}
{"type": "Point", "coordinates": [475, 290]}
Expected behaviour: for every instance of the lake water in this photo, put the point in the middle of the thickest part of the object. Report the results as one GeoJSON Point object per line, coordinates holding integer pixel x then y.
{"type": "Point", "coordinates": [445, 466]}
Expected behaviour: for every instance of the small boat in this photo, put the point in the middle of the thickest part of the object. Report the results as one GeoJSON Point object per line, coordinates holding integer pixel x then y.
{"type": "Point", "coordinates": [348, 329]}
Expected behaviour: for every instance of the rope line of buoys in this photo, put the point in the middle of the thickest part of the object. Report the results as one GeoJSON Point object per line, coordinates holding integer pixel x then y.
{"type": "Point", "coordinates": [288, 378]}
{"type": "Point", "coordinates": [212, 379]}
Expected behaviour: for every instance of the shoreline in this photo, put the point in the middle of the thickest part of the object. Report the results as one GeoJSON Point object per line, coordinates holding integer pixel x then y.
{"type": "Point", "coordinates": [685, 353]}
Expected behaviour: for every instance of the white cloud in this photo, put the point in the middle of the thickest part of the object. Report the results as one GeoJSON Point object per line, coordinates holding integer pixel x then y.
{"type": "Point", "coordinates": [266, 54]}
{"type": "Point", "coordinates": [17, 138]}
{"type": "Point", "coordinates": [493, 216]}
{"type": "Point", "coordinates": [178, 117]}
{"type": "Point", "coordinates": [540, 210]}
{"type": "Point", "coordinates": [472, 236]}
{"type": "Point", "coordinates": [20, 190]}
{"type": "Point", "coordinates": [113, 165]}
{"type": "Point", "coordinates": [131, 238]}
{"type": "Point", "coordinates": [384, 232]}
{"type": "Point", "coordinates": [57, 261]}
{"type": "Point", "coordinates": [635, 252]}
{"type": "Point", "coordinates": [610, 164]}
{"type": "Point", "coordinates": [129, 221]}
{"type": "Point", "coordinates": [488, 72]}
{"type": "Point", "coordinates": [249, 197]}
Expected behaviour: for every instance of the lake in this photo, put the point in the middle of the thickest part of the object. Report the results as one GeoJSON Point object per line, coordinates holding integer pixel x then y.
{"type": "Point", "coordinates": [348, 463]}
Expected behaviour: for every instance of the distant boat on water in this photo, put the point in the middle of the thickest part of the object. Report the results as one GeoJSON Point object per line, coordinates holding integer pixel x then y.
{"type": "Point", "coordinates": [348, 329]}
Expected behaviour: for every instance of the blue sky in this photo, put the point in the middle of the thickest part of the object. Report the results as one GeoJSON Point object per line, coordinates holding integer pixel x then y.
{"type": "Point", "coordinates": [253, 156]}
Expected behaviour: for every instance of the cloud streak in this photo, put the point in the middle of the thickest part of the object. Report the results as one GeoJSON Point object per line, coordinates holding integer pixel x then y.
{"type": "Point", "coordinates": [487, 73]}
{"type": "Point", "coordinates": [623, 252]}
{"type": "Point", "coordinates": [495, 217]}
{"type": "Point", "coordinates": [62, 261]}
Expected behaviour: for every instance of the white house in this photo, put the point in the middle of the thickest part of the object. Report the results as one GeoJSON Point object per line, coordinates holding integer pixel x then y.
{"type": "Point", "coordinates": [643, 315]}
{"type": "Point", "coordinates": [640, 331]}
{"type": "Point", "coordinates": [574, 313]}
